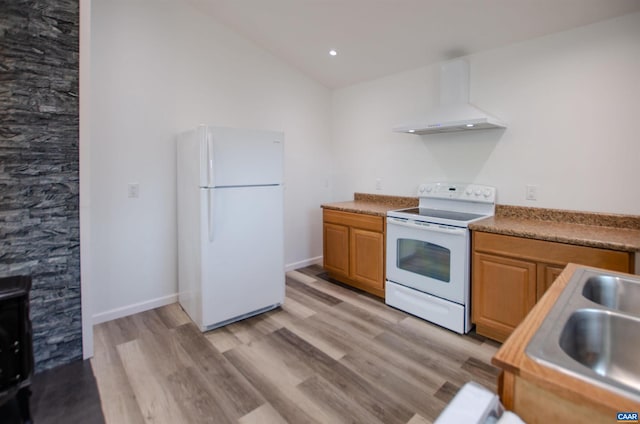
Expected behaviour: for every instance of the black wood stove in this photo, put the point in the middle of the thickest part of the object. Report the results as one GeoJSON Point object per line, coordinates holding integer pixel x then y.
{"type": "Point", "coordinates": [16, 348]}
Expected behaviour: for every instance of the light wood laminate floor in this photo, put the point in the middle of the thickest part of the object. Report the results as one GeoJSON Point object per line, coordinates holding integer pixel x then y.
{"type": "Point", "coordinates": [328, 355]}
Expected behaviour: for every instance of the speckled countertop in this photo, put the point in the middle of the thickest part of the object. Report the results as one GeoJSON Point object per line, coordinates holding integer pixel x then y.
{"type": "Point", "coordinates": [606, 231]}
{"type": "Point", "coordinates": [373, 204]}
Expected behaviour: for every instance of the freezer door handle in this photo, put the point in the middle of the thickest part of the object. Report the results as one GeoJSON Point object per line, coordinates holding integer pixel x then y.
{"type": "Point", "coordinates": [210, 174]}
{"type": "Point", "coordinates": [210, 206]}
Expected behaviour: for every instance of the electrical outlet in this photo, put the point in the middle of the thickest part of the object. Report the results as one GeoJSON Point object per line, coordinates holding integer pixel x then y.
{"type": "Point", "coordinates": [133, 190]}
{"type": "Point", "coordinates": [532, 192]}
{"type": "Point", "coordinates": [378, 184]}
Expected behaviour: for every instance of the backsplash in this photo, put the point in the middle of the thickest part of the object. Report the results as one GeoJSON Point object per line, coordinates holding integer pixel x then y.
{"type": "Point", "coordinates": [39, 203]}
{"type": "Point", "coordinates": [395, 201]}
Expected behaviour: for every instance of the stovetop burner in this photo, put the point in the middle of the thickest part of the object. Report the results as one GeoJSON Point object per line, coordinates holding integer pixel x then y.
{"type": "Point", "coordinates": [453, 204]}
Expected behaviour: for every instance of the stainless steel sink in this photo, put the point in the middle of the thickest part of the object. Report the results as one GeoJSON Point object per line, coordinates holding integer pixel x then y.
{"type": "Point", "coordinates": [601, 341]}
{"type": "Point", "coordinates": [593, 332]}
{"type": "Point", "coordinates": [617, 293]}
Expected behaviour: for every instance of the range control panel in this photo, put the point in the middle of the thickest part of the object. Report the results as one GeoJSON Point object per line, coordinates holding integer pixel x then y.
{"type": "Point", "coordinates": [458, 191]}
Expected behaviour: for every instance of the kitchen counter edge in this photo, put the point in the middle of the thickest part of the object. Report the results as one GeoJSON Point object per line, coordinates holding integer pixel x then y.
{"type": "Point", "coordinates": [372, 204]}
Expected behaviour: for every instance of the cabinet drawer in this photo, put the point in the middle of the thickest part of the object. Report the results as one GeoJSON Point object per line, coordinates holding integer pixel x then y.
{"type": "Point", "coordinates": [357, 220]}
{"type": "Point", "coordinates": [550, 252]}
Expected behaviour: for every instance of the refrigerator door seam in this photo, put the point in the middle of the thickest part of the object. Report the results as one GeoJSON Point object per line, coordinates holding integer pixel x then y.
{"type": "Point", "coordinates": [248, 185]}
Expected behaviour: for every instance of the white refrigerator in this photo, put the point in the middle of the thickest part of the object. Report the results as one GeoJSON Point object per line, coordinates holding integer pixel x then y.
{"type": "Point", "coordinates": [230, 224]}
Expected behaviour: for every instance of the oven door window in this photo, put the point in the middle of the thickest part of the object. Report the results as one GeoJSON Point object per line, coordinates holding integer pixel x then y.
{"type": "Point", "coordinates": [427, 259]}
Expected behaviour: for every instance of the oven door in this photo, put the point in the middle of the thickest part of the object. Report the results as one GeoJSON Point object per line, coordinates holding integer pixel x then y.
{"type": "Point", "coordinates": [428, 257]}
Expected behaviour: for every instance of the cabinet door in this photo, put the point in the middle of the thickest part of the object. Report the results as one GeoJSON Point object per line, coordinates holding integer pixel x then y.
{"type": "Point", "coordinates": [547, 274]}
{"type": "Point", "coordinates": [336, 248]}
{"type": "Point", "coordinates": [367, 258]}
{"type": "Point", "coordinates": [503, 292]}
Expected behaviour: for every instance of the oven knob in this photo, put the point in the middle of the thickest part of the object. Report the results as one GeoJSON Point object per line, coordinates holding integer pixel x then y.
{"type": "Point", "coordinates": [487, 192]}
{"type": "Point", "coordinates": [468, 191]}
{"type": "Point", "coordinates": [477, 192]}
{"type": "Point", "coordinates": [429, 189]}
{"type": "Point", "coordinates": [421, 189]}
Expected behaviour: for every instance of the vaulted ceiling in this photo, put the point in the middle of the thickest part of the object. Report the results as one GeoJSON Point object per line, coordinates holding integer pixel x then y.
{"type": "Point", "coordinates": [374, 38]}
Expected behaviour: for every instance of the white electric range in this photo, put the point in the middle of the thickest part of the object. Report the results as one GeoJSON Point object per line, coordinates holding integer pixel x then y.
{"type": "Point", "coordinates": [428, 252]}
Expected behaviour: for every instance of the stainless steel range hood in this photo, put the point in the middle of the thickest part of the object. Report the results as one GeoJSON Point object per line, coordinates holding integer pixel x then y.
{"type": "Point", "coordinates": [455, 113]}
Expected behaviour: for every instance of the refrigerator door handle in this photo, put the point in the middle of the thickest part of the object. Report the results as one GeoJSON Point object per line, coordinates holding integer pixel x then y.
{"type": "Point", "coordinates": [210, 174]}
{"type": "Point", "coordinates": [210, 206]}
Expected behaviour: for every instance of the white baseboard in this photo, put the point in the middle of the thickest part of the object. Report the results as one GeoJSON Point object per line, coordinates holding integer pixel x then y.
{"type": "Point", "coordinates": [134, 309]}
{"type": "Point", "coordinates": [300, 264]}
{"type": "Point", "coordinates": [172, 298]}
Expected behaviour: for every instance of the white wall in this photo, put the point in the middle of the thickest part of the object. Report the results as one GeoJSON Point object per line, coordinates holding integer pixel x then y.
{"type": "Point", "coordinates": [85, 178]}
{"type": "Point", "coordinates": [160, 67]}
{"type": "Point", "coordinates": [572, 104]}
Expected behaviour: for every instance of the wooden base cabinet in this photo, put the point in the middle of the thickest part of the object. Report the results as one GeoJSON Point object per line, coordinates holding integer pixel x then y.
{"type": "Point", "coordinates": [535, 403]}
{"type": "Point", "coordinates": [366, 252]}
{"type": "Point", "coordinates": [336, 248]}
{"type": "Point", "coordinates": [506, 294]}
{"type": "Point", "coordinates": [510, 274]}
{"type": "Point", "coordinates": [546, 275]}
{"type": "Point", "coordinates": [353, 248]}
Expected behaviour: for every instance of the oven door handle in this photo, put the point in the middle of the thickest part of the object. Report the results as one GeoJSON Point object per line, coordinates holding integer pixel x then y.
{"type": "Point", "coordinates": [428, 227]}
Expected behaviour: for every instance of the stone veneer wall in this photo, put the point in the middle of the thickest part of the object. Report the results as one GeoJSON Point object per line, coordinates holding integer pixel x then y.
{"type": "Point", "coordinates": [39, 215]}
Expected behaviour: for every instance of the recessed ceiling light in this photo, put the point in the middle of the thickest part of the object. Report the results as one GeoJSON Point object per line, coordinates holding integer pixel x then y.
{"type": "Point", "coordinates": [412, 131]}
{"type": "Point", "coordinates": [333, 52]}
{"type": "Point", "coordinates": [469, 125]}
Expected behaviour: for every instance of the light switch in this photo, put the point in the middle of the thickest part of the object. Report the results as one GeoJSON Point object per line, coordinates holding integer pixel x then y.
{"type": "Point", "coordinates": [133, 190]}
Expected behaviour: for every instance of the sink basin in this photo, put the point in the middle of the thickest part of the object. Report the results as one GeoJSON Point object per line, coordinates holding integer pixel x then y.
{"type": "Point", "coordinates": [592, 332]}
{"type": "Point", "coordinates": [604, 342]}
{"type": "Point", "coordinates": [617, 293]}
